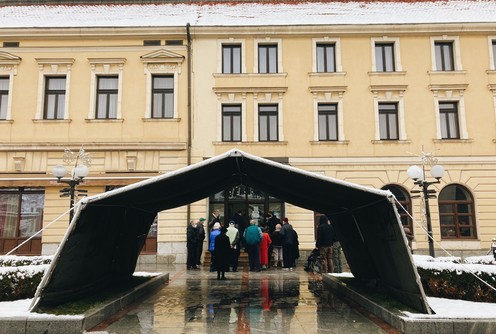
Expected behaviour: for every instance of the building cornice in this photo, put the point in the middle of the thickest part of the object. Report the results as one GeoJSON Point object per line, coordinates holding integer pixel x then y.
{"type": "Point", "coordinates": [34, 33]}
{"type": "Point", "coordinates": [388, 160]}
{"type": "Point", "coordinates": [134, 146]}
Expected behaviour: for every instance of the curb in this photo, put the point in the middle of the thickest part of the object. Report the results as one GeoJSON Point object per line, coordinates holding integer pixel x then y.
{"type": "Point", "coordinates": [46, 323]}
{"type": "Point", "coordinates": [409, 325]}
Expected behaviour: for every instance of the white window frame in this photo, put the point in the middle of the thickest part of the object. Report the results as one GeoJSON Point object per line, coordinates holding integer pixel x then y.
{"type": "Point", "coordinates": [398, 67]}
{"type": "Point", "coordinates": [53, 67]}
{"type": "Point", "coordinates": [492, 56]}
{"type": "Point", "coordinates": [328, 100]}
{"type": "Point", "coordinates": [161, 62]}
{"type": "Point", "coordinates": [402, 135]}
{"type": "Point", "coordinates": [269, 98]}
{"type": "Point", "coordinates": [268, 40]}
{"type": "Point", "coordinates": [105, 67]}
{"type": "Point", "coordinates": [231, 100]}
{"type": "Point", "coordinates": [461, 116]}
{"type": "Point", "coordinates": [337, 50]}
{"type": "Point", "coordinates": [8, 68]}
{"type": "Point", "coordinates": [456, 50]}
{"type": "Point", "coordinates": [231, 41]}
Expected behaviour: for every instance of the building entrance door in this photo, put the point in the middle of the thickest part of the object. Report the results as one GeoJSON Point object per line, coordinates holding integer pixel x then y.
{"type": "Point", "coordinates": [242, 203]}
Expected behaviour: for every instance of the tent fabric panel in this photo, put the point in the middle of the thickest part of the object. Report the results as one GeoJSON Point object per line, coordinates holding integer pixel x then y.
{"type": "Point", "coordinates": [303, 189]}
{"type": "Point", "coordinates": [103, 248]}
{"type": "Point", "coordinates": [374, 245]}
{"type": "Point", "coordinates": [178, 189]}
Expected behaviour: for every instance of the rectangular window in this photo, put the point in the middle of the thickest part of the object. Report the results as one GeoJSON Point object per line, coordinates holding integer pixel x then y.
{"type": "Point", "coordinates": [231, 122]}
{"type": "Point", "coordinates": [21, 217]}
{"type": "Point", "coordinates": [4, 97]}
{"type": "Point", "coordinates": [448, 117]}
{"type": "Point", "coordinates": [21, 212]}
{"type": "Point", "coordinates": [326, 57]}
{"type": "Point", "coordinates": [107, 92]}
{"type": "Point", "coordinates": [388, 121]}
{"type": "Point", "coordinates": [384, 57]}
{"type": "Point", "coordinates": [328, 122]}
{"type": "Point", "coordinates": [231, 58]}
{"type": "Point", "coordinates": [494, 53]}
{"type": "Point", "coordinates": [54, 98]}
{"type": "Point", "coordinates": [268, 123]}
{"type": "Point", "coordinates": [444, 56]}
{"type": "Point", "coordinates": [162, 96]}
{"type": "Point", "coordinates": [267, 58]}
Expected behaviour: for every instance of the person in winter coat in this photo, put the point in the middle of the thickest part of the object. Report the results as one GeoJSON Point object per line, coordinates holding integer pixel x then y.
{"type": "Point", "coordinates": [192, 244]}
{"type": "Point", "coordinates": [201, 233]}
{"type": "Point", "coordinates": [277, 247]}
{"type": "Point", "coordinates": [222, 251]}
{"type": "Point", "coordinates": [264, 248]}
{"type": "Point", "coordinates": [288, 245]}
{"type": "Point", "coordinates": [325, 239]}
{"type": "Point", "coordinates": [234, 239]}
{"type": "Point", "coordinates": [211, 246]}
{"type": "Point", "coordinates": [253, 237]}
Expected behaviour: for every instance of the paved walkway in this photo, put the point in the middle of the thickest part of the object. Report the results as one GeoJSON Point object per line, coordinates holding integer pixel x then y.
{"type": "Point", "coordinates": [271, 301]}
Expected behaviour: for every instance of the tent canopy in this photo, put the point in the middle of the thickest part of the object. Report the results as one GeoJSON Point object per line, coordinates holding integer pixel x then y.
{"type": "Point", "coordinates": [108, 231]}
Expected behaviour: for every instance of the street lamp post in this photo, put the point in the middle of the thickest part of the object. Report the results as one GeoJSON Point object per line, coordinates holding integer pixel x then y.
{"type": "Point", "coordinates": [417, 174]}
{"type": "Point", "coordinates": [79, 172]}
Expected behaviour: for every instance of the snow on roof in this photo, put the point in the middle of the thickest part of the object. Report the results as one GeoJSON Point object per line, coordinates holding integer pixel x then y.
{"type": "Point", "coordinates": [249, 14]}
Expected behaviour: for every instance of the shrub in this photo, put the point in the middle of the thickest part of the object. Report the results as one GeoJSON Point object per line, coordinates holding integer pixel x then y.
{"type": "Point", "coordinates": [17, 261]}
{"type": "Point", "coordinates": [20, 282]}
{"type": "Point", "coordinates": [21, 275]}
{"type": "Point", "coordinates": [445, 279]}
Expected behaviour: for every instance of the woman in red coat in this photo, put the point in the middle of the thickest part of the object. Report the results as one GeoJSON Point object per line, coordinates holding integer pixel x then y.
{"type": "Point", "coordinates": [264, 249]}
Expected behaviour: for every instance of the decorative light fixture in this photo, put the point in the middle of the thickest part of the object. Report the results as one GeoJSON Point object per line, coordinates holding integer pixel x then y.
{"type": "Point", "coordinates": [417, 174]}
{"type": "Point", "coordinates": [79, 172]}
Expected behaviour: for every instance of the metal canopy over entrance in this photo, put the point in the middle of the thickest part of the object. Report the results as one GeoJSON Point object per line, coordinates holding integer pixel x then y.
{"type": "Point", "coordinates": [107, 233]}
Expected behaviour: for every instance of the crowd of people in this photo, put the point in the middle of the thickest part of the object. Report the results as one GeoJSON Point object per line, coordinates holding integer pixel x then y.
{"type": "Point", "coordinates": [268, 242]}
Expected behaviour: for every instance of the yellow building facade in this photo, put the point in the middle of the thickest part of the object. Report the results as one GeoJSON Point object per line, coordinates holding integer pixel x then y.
{"type": "Point", "coordinates": [357, 102]}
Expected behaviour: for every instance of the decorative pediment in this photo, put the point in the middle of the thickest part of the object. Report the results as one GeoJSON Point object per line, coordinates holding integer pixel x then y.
{"type": "Point", "coordinates": [162, 61]}
{"type": "Point", "coordinates": [162, 56]}
{"type": "Point", "coordinates": [9, 62]}
{"type": "Point", "coordinates": [9, 58]}
{"type": "Point", "coordinates": [107, 65]}
{"type": "Point", "coordinates": [448, 90]}
{"type": "Point", "coordinates": [55, 65]}
{"type": "Point", "coordinates": [388, 91]}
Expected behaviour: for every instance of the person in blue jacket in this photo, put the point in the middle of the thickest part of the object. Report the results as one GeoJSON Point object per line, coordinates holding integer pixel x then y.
{"type": "Point", "coordinates": [211, 247]}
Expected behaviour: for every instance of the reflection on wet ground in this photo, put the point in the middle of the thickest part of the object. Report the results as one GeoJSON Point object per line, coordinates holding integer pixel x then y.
{"type": "Point", "coordinates": [272, 301]}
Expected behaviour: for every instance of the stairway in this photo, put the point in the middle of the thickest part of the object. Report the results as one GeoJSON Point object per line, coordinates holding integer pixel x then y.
{"type": "Point", "coordinates": [242, 261]}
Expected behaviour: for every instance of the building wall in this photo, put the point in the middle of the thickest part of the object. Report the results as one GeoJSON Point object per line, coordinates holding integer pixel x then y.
{"type": "Point", "coordinates": [133, 147]}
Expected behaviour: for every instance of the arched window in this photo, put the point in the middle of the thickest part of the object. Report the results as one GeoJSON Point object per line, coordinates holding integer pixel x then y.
{"type": "Point", "coordinates": [456, 213]}
{"type": "Point", "coordinates": [404, 198]}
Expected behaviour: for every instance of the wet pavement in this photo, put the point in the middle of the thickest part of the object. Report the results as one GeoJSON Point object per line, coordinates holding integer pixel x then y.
{"type": "Point", "coordinates": [270, 301]}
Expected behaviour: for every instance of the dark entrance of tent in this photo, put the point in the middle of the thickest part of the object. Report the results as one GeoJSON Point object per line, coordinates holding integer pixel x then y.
{"type": "Point", "coordinates": [251, 202]}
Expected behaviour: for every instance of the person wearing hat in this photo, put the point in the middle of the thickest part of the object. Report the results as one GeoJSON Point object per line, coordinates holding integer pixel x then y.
{"type": "Point", "coordinates": [215, 232]}
{"type": "Point", "coordinates": [201, 237]}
